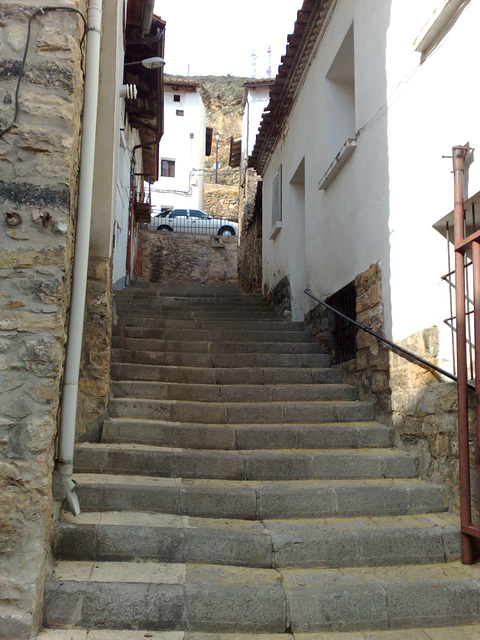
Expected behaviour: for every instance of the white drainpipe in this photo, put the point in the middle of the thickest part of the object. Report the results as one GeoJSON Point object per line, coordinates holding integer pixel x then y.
{"type": "Point", "coordinates": [80, 264]}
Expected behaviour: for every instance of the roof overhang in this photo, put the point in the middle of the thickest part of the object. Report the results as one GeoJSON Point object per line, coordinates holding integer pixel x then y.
{"type": "Point", "coordinates": [145, 38]}
{"type": "Point", "coordinates": [312, 21]}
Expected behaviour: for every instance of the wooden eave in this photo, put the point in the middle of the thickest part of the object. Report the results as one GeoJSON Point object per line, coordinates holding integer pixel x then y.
{"type": "Point", "coordinates": [309, 27]}
{"type": "Point", "coordinates": [145, 113]}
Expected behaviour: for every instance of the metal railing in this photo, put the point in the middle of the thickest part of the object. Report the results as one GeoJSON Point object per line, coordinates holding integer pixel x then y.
{"type": "Point", "coordinates": [141, 188]}
{"type": "Point", "coordinates": [185, 221]}
{"type": "Point", "coordinates": [467, 249]}
{"type": "Point", "coordinates": [393, 345]}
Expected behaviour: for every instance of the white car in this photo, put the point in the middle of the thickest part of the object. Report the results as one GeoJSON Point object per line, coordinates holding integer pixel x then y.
{"type": "Point", "coordinates": [195, 221]}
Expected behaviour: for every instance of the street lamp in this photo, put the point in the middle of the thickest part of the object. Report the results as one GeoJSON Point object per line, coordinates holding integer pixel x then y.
{"type": "Point", "coordinates": [217, 137]}
{"type": "Point", "coordinates": [150, 63]}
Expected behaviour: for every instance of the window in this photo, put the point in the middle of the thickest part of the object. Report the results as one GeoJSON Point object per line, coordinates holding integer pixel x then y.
{"type": "Point", "coordinates": [277, 203]}
{"type": "Point", "coordinates": [167, 168]}
{"type": "Point", "coordinates": [340, 98]}
{"type": "Point", "coordinates": [180, 112]}
{"type": "Point", "coordinates": [176, 97]}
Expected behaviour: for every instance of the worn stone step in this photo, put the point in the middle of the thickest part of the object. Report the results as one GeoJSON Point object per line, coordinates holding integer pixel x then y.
{"type": "Point", "coordinates": [219, 598]}
{"type": "Point", "coordinates": [208, 335]}
{"type": "Point", "coordinates": [209, 346]}
{"type": "Point", "coordinates": [337, 435]}
{"type": "Point", "coordinates": [232, 392]}
{"type": "Point", "coordinates": [186, 313]}
{"type": "Point", "coordinates": [186, 292]}
{"type": "Point", "coordinates": [274, 464]}
{"type": "Point", "coordinates": [221, 360]}
{"type": "Point", "coordinates": [463, 632]}
{"type": "Point", "coordinates": [198, 304]}
{"type": "Point", "coordinates": [157, 596]}
{"type": "Point", "coordinates": [240, 412]}
{"type": "Point", "coordinates": [219, 375]}
{"type": "Point", "coordinates": [255, 500]}
{"type": "Point", "coordinates": [327, 542]}
{"type": "Point", "coordinates": [233, 324]}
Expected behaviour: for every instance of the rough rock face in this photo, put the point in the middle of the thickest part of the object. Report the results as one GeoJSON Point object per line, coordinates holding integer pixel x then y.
{"type": "Point", "coordinates": [38, 168]}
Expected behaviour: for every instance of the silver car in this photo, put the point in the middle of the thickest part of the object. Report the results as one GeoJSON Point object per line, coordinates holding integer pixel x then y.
{"type": "Point", "coordinates": [195, 221]}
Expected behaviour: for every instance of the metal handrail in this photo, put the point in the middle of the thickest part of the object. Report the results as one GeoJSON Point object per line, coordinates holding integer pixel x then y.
{"type": "Point", "coordinates": [391, 344]}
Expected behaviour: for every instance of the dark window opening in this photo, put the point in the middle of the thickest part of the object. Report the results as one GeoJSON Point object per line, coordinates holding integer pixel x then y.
{"type": "Point", "coordinates": [180, 112]}
{"type": "Point", "coordinates": [168, 168]}
{"type": "Point", "coordinates": [176, 97]}
{"type": "Point", "coordinates": [345, 333]}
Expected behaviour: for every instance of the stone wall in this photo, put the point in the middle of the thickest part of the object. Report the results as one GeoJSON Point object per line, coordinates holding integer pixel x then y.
{"type": "Point", "coordinates": [38, 186]}
{"type": "Point", "coordinates": [221, 201]}
{"type": "Point", "coordinates": [182, 257]}
{"type": "Point", "coordinates": [250, 241]}
{"type": "Point", "coordinates": [422, 409]}
{"type": "Point", "coordinates": [280, 298]}
{"type": "Point", "coordinates": [94, 382]}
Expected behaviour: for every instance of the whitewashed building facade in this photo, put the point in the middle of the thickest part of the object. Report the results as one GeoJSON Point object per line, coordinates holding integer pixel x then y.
{"type": "Point", "coordinates": [355, 155]}
{"type": "Point", "coordinates": [182, 149]}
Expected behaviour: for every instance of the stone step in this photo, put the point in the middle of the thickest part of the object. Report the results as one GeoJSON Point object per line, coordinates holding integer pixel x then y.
{"type": "Point", "coordinates": [198, 304]}
{"type": "Point", "coordinates": [232, 324]}
{"type": "Point", "coordinates": [238, 599]}
{"type": "Point", "coordinates": [233, 392]}
{"type": "Point", "coordinates": [328, 542]}
{"type": "Point", "coordinates": [254, 500]}
{"type": "Point", "coordinates": [209, 375]}
{"type": "Point", "coordinates": [240, 412]}
{"type": "Point", "coordinates": [213, 346]}
{"type": "Point", "coordinates": [277, 464]}
{"type": "Point", "coordinates": [222, 313]}
{"type": "Point", "coordinates": [208, 335]}
{"type": "Point", "coordinates": [221, 360]}
{"type": "Point", "coordinates": [338, 435]}
{"type": "Point", "coordinates": [186, 291]}
{"type": "Point", "coordinates": [463, 632]}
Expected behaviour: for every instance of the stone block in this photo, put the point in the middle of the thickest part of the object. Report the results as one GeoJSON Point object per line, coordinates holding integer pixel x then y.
{"type": "Point", "coordinates": [235, 608]}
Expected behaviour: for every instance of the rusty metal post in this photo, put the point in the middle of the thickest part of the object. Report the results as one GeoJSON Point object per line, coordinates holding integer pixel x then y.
{"type": "Point", "coordinates": [476, 316]}
{"type": "Point", "coordinates": [464, 464]}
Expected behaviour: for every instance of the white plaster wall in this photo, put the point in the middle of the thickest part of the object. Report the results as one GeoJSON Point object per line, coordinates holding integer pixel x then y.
{"type": "Point", "coordinates": [128, 139]}
{"type": "Point", "coordinates": [184, 142]}
{"type": "Point", "coordinates": [110, 111]}
{"type": "Point", "coordinates": [432, 107]}
{"type": "Point", "coordinates": [382, 204]}
{"type": "Point", "coordinates": [256, 102]}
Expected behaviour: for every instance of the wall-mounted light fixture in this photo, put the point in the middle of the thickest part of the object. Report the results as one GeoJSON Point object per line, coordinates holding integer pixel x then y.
{"type": "Point", "coordinates": [150, 63]}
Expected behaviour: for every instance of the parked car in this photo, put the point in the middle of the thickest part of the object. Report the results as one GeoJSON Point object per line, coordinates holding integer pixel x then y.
{"type": "Point", "coordinates": [195, 221]}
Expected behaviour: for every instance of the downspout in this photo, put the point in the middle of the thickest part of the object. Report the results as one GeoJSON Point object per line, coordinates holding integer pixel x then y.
{"type": "Point", "coordinates": [147, 16]}
{"type": "Point", "coordinates": [66, 441]}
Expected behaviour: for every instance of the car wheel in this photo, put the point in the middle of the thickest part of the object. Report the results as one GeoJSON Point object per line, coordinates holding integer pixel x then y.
{"type": "Point", "coordinates": [164, 227]}
{"type": "Point", "coordinates": [226, 231]}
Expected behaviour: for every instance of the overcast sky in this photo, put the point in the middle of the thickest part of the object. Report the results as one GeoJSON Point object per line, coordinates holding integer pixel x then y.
{"type": "Point", "coordinates": [218, 37]}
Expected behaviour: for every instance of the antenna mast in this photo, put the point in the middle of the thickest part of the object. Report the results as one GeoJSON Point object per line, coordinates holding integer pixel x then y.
{"type": "Point", "coordinates": [269, 68]}
{"type": "Point", "coordinates": [254, 56]}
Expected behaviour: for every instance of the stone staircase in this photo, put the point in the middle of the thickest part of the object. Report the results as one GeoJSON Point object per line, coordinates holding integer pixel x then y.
{"type": "Point", "coordinates": [239, 488]}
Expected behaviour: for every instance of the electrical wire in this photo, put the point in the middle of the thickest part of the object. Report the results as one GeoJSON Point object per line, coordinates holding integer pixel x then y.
{"type": "Point", "coordinates": [42, 10]}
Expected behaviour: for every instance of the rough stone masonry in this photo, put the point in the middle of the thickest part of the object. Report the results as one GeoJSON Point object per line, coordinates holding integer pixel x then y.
{"type": "Point", "coordinates": [38, 188]}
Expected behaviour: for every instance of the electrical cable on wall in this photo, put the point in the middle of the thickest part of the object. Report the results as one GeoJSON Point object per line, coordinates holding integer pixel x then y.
{"type": "Point", "coordinates": [41, 11]}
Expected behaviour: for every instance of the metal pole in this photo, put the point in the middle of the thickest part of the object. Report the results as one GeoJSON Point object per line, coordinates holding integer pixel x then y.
{"type": "Point", "coordinates": [476, 317]}
{"type": "Point", "coordinates": [217, 136]}
{"type": "Point", "coordinates": [458, 154]}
